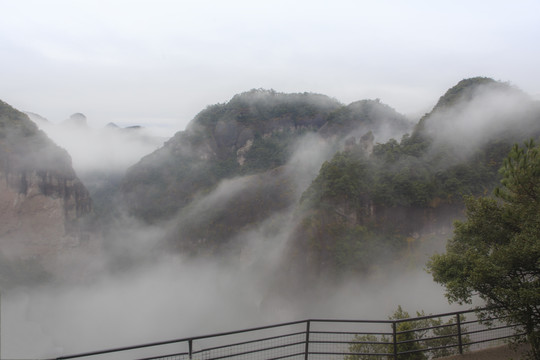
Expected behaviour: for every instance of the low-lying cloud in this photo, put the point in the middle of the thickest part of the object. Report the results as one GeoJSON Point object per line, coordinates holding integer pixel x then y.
{"type": "Point", "coordinates": [177, 297]}
{"type": "Point", "coordinates": [490, 113]}
{"type": "Point", "coordinates": [108, 150]}
{"type": "Point", "coordinates": [158, 296]}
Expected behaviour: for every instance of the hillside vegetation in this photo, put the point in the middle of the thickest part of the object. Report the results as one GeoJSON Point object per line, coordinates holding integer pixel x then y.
{"type": "Point", "coordinates": [383, 188]}
{"type": "Point", "coordinates": [252, 137]}
{"type": "Point", "coordinates": [347, 188]}
{"type": "Point", "coordinates": [405, 195]}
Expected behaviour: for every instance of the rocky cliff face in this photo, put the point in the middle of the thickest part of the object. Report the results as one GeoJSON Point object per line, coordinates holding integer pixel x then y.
{"type": "Point", "coordinates": [250, 134]}
{"type": "Point", "coordinates": [253, 133]}
{"type": "Point", "coordinates": [42, 201]}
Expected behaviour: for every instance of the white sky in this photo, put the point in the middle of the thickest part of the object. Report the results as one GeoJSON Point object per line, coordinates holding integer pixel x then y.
{"type": "Point", "coordinates": [158, 63]}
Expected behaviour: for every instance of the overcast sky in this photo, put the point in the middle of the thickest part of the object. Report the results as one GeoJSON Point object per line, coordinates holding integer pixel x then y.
{"type": "Point", "coordinates": [158, 63]}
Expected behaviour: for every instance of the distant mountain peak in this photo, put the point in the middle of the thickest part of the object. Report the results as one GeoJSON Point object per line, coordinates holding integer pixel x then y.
{"type": "Point", "coordinates": [112, 125]}
{"type": "Point", "coordinates": [77, 119]}
{"type": "Point", "coordinates": [466, 88]}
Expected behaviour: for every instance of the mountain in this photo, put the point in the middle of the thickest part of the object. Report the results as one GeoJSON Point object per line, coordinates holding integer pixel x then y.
{"type": "Point", "coordinates": [100, 155]}
{"type": "Point", "coordinates": [246, 150]}
{"type": "Point", "coordinates": [344, 188]}
{"type": "Point", "coordinates": [365, 211]}
{"type": "Point", "coordinates": [42, 201]}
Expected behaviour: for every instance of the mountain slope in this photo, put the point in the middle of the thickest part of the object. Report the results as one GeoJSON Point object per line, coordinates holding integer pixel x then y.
{"type": "Point", "coordinates": [254, 132]}
{"type": "Point", "coordinates": [364, 210]}
{"type": "Point", "coordinates": [41, 199]}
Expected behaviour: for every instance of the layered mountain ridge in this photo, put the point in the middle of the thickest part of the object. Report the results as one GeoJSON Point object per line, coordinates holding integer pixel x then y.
{"type": "Point", "coordinates": [347, 188]}
{"type": "Point", "coordinates": [399, 203]}
{"type": "Point", "coordinates": [255, 132]}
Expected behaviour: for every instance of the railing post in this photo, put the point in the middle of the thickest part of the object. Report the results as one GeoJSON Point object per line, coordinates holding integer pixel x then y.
{"type": "Point", "coordinates": [394, 338]}
{"type": "Point", "coordinates": [190, 345]}
{"type": "Point", "coordinates": [458, 322]}
{"type": "Point", "coordinates": [306, 354]}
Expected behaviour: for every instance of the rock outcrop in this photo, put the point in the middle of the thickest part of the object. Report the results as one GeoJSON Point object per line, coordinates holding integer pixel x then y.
{"type": "Point", "coordinates": [42, 202]}
{"type": "Point", "coordinates": [253, 133]}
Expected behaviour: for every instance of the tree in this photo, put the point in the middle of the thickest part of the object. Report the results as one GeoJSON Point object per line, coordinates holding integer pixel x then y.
{"type": "Point", "coordinates": [417, 339]}
{"type": "Point", "coordinates": [495, 253]}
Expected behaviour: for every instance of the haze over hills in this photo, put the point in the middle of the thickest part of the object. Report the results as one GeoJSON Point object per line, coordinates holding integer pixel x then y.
{"type": "Point", "coordinates": [399, 201]}
{"type": "Point", "coordinates": [373, 195]}
{"type": "Point", "coordinates": [259, 139]}
{"type": "Point", "coordinates": [356, 192]}
{"type": "Point", "coordinates": [294, 193]}
{"type": "Point", "coordinates": [100, 156]}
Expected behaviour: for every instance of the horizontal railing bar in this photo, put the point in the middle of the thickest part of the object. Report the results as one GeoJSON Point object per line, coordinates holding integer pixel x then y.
{"type": "Point", "coordinates": [109, 351]}
{"type": "Point", "coordinates": [427, 339]}
{"type": "Point", "coordinates": [253, 341]}
{"type": "Point", "coordinates": [346, 342]}
{"type": "Point", "coordinates": [352, 321]}
{"type": "Point", "coordinates": [442, 337]}
{"type": "Point", "coordinates": [348, 353]}
{"type": "Point", "coordinates": [425, 330]}
{"type": "Point", "coordinates": [442, 347]}
{"type": "Point", "coordinates": [252, 351]}
{"type": "Point", "coordinates": [497, 338]}
{"type": "Point", "coordinates": [485, 330]}
{"type": "Point", "coordinates": [483, 321]}
{"type": "Point", "coordinates": [364, 342]}
{"type": "Point", "coordinates": [162, 356]}
{"type": "Point", "coordinates": [287, 356]}
{"type": "Point", "coordinates": [259, 350]}
{"type": "Point", "coordinates": [412, 351]}
{"type": "Point", "coordinates": [349, 333]}
{"type": "Point", "coordinates": [168, 342]}
{"type": "Point", "coordinates": [434, 316]}
{"type": "Point", "coordinates": [492, 339]}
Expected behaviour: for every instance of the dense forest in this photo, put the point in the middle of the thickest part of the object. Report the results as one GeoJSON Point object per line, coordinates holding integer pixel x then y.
{"type": "Point", "coordinates": [404, 195]}
{"type": "Point", "coordinates": [385, 188]}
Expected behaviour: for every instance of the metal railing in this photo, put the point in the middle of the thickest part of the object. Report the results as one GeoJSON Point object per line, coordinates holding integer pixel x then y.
{"type": "Point", "coordinates": [433, 336]}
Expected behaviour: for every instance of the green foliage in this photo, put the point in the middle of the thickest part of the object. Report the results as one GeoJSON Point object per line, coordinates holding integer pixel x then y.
{"type": "Point", "coordinates": [359, 206]}
{"type": "Point", "coordinates": [495, 253]}
{"type": "Point", "coordinates": [365, 114]}
{"type": "Point", "coordinates": [464, 90]}
{"type": "Point", "coordinates": [24, 148]}
{"type": "Point", "coordinates": [346, 177]}
{"type": "Point", "coordinates": [269, 152]}
{"type": "Point", "coordinates": [398, 178]}
{"type": "Point", "coordinates": [194, 161]}
{"type": "Point", "coordinates": [14, 122]}
{"type": "Point", "coordinates": [370, 347]}
{"type": "Point", "coordinates": [415, 339]}
{"type": "Point", "coordinates": [407, 338]}
{"type": "Point", "coordinates": [258, 104]}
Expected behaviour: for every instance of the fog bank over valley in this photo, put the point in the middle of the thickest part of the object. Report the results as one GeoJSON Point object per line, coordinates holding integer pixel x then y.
{"type": "Point", "coordinates": [270, 207]}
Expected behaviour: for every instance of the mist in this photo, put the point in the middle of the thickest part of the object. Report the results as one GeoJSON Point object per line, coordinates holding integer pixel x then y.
{"type": "Point", "coordinates": [108, 150]}
{"type": "Point", "coordinates": [489, 112]}
{"type": "Point", "coordinates": [163, 61]}
{"type": "Point", "coordinates": [177, 298]}
{"type": "Point", "coordinates": [132, 290]}
{"type": "Point", "coordinates": [134, 293]}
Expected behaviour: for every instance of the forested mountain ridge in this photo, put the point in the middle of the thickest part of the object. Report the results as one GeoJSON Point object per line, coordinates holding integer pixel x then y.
{"type": "Point", "coordinates": [362, 207]}
{"type": "Point", "coordinates": [374, 196]}
{"type": "Point", "coordinates": [329, 180]}
{"type": "Point", "coordinates": [253, 133]}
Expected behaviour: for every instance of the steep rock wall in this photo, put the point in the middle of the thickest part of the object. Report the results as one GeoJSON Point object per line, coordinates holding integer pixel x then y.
{"type": "Point", "coordinates": [42, 201]}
